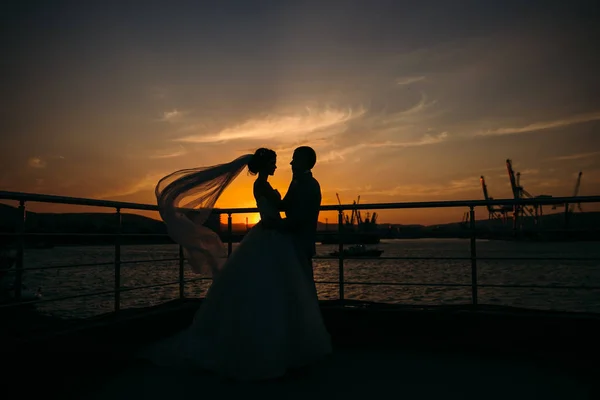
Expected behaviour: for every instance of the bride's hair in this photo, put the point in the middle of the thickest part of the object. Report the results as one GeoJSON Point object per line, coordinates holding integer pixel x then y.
{"type": "Point", "coordinates": [260, 160]}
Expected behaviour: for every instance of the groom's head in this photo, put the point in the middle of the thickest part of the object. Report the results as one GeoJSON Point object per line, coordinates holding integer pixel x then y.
{"type": "Point", "coordinates": [304, 159]}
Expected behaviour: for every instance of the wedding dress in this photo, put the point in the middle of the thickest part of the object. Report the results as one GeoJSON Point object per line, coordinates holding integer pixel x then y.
{"type": "Point", "coordinates": [260, 317]}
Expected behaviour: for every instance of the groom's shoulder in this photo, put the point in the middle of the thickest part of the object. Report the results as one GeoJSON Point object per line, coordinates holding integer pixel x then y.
{"type": "Point", "coordinates": [314, 183]}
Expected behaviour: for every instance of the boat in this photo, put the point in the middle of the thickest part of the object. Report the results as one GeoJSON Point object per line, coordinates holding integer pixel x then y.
{"type": "Point", "coordinates": [359, 250]}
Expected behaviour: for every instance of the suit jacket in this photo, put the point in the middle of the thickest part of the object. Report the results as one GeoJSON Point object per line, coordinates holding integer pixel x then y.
{"type": "Point", "coordinates": [301, 205]}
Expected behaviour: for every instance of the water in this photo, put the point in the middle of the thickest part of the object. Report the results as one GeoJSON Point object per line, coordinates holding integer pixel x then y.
{"type": "Point", "coordinates": [72, 281]}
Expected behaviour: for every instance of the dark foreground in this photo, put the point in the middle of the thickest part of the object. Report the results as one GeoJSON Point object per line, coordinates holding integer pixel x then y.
{"type": "Point", "coordinates": [380, 350]}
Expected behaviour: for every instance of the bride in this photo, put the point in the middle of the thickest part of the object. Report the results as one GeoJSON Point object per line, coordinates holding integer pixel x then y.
{"type": "Point", "coordinates": [260, 317]}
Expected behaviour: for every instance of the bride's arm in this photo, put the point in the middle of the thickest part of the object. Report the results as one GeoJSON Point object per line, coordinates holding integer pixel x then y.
{"type": "Point", "coordinates": [283, 203]}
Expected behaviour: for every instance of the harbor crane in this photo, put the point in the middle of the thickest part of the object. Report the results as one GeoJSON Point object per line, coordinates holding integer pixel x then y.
{"type": "Point", "coordinates": [519, 193]}
{"type": "Point", "coordinates": [575, 194]}
{"type": "Point", "coordinates": [355, 216]}
{"type": "Point", "coordinates": [494, 212]}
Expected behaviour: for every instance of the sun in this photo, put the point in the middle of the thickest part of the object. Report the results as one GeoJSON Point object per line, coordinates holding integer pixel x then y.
{"type": "Point", "coordinates": [252, 219]}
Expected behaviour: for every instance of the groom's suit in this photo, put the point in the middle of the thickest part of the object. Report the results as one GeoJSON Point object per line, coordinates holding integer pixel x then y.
{"type": "Point", "coordinates": [301, 205]}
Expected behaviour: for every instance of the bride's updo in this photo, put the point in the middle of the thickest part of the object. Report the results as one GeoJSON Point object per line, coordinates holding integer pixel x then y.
{"type": "Point", "coordinates": [260, 160]}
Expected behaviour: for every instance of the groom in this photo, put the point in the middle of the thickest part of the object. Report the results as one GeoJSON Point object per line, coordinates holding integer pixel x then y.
{"type": "Point", "coordinates": [301, 205]}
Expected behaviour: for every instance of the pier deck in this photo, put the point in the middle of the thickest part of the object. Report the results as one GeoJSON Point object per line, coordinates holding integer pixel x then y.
{"type": "Point", "coordinates": [359, 374]}
{"type": "Point", "coordinates": [379, 351]}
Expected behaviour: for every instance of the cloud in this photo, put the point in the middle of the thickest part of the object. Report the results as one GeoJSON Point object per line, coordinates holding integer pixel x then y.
{"type": "Point", "coordinates": [550, 183]}
{"type": "Point", "coordinates": [538, 126]}
{"type": "Point", "coordinates": [171, 116]}
{"type": "Point", "coordinates": [148, 182]}
{"type": "Point", "coordinates": [494, 169]}
{"type": "Point", "coordinates": [341, 154]}
{"type": "Point", "coordinates": [283, 128]}
{"type": "Point", "coordinates": [36, 162]}
{"type": "Point", "coordinates": [530, 172]}
{"type": "Point", "coordinates": [577, 156]}
{"type": "Point", "coordinates": [412, 191]}
{"type": "Point", "coordinates": [170, 154]}
{"type": "Point", "coordinates": [401, 116]}
{"type": "Point", "coordinates": [409, 79]}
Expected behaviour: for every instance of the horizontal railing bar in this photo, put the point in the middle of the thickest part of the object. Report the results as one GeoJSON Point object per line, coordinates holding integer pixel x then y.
{"type": "Point", "coordinates": [147, 261]}
{"type": "Point", "coordinates": [464, 258]}
{"type": "Point", "coordinates": [465, 203]}
{"type": "Point", "coordinates": [62, 234]}
{"type": "Point", "coordinates": [127, 289]}
{"type": "Point", "coordinates": [462, 285]}
{"type": "Point", "coordinates": [103, 293]}
{"type": "Point", "coordinates": [326, 258]}
{"type": "Point", "coordinates": [538, 258]}
{"type": "Point", "coordinates": [48, 198]}
{"type": "Point", "coordinates": [389, 258]}
{"type": "Point", "coordinates": [582, 287]}
{"type": "Point", "coordinates": [393, 284]}
{"type": "Point", "coordinates": [52, 299]}
{"type": "Point", "coordinates": [44, 198]}
{"type": "Point", "coordinates": [103, 264]}
{"type": "Point", "coordinates": [438, 204]}
{"type": "Point", "coordinates": [407, 284]}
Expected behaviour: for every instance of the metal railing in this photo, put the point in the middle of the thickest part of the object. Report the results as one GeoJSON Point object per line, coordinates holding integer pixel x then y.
{"type": "Point", "coordinates": [21, 234]}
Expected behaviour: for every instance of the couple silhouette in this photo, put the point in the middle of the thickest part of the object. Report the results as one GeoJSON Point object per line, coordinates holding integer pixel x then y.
{"type": "Point", "coordinates": [261, 316]}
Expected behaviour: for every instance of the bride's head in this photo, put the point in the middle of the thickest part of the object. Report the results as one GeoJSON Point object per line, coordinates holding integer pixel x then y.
{"type": "Point", "coordinates": [263, 161]}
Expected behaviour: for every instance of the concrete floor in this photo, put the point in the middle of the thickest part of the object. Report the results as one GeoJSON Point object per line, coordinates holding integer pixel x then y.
{"type": "Point", "coordinates": [359, 374]}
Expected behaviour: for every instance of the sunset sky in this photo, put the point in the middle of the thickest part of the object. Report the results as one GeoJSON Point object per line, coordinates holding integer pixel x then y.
{"type": "Point", "coordinates": [402, 100]}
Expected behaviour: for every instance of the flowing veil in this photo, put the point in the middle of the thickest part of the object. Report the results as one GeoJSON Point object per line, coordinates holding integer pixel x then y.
{"type": "Point", "coordinates": [185, 200]}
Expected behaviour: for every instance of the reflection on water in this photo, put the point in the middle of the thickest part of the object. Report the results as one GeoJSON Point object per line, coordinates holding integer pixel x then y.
{"type": "Point", "coordinates": [72, 281]}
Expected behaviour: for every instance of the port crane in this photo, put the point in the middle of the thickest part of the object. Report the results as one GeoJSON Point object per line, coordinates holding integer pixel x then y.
{"type": "Point", "coordinates": [355, 215]}
{"type": "Point", "coordinates": [571, 207]}
{"type": "Point", "coordinates": [520, 193]}
{"type": "Point", "coordinates": [493, 212]}
{"type": "Point", "coordinates": [575, 194]}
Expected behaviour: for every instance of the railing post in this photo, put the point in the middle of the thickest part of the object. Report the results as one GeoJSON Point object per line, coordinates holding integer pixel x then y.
{"type": "Point", "coordinates": [20, 252]}
{"type": "Point", "coordinates": [118, 261]}
{"type": "Point", "coordinates": [181, 274]}
{"type": "Point", "coordinates": [473, 256]}
{"type": "Point", "coordinates": [341, 255]}
{"type": "Point", "coordinates": [229, 234]}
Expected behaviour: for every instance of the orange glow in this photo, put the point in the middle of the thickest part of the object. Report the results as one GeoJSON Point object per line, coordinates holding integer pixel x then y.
{"type": "Point", "coordinates": [239, 195]}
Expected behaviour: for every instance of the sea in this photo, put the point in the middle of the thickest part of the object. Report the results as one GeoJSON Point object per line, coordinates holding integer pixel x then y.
{"type": "Point", "coordinates": [147, 270]}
